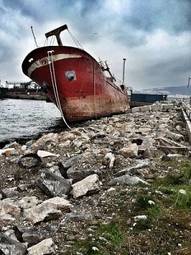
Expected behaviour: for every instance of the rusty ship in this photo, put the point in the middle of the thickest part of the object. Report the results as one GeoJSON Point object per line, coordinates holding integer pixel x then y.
{"type": "Point", "coordinates": [75, 81]}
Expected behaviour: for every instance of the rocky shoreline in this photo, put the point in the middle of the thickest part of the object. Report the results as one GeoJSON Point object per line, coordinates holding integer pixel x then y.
{"type": "Point", "coordinates": [117, 185]}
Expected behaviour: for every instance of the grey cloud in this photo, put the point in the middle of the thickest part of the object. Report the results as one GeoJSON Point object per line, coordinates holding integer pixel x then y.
{"type": "Point", "coordinates": [26, 8]}
{"type": "Point", "coordinates": [93, 21]}
{"type": "Point", "coordinates": [170, 15]}
{"type": "Point", "coordinates": [172, 67]}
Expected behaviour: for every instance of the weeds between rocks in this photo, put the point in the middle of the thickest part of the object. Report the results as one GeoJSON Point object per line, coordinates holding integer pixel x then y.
{"type": "Point", "coordinates": [144, 220]}
{"type": "Point", "coordinates": [120, 218]}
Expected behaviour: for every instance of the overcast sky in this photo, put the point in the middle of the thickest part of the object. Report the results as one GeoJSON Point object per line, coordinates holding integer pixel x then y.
{"type": "Point", "coordinates": [154, 36]}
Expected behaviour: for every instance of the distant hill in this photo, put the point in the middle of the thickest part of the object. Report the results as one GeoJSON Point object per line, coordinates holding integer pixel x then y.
{"type": "Point", "coordinates": [178, 90]}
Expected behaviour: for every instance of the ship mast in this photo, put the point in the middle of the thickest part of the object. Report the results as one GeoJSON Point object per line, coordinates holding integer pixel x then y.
{"type": "Point", "coordinates": [189, 79]}
{"type": "Point", "coordinates": [124, 60]}
{"type": "Point", "coordinates": [57, 32]}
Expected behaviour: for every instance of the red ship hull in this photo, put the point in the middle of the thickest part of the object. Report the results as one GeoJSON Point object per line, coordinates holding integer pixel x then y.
{"type": "Point", "coordinates": [84, 91]}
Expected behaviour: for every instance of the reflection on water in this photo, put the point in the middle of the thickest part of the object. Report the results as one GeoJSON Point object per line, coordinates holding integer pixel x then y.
{"type": "Point", "coordinates": [26, 118]}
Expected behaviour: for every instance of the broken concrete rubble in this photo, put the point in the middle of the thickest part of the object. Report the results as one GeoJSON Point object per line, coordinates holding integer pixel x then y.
{"type": "Point", "coordinates": [79, 174]}
{"type": "Point", "coordinates": [9, 206]}
{"type": "Point", "coordinates": [127, 180]}
{"type": "Point", "coordinates": [49, 209]}
{"type": "Point", "coordinates": [71, 161]}
{"type": "Point", "coordinates": [50, 138]}
{"type": "Point", "coordinates": [174, 136]}
{"type": "Point", "coordinates": [44, 154]}
{"type": "Point", "coordinates": [53, 185]}
{"type": "Point", "coordinates": [110, 156]}
{"type": "Point", "coordinates": [10, 192]}
{"type": "Point", "coordinates": [28, 202]}
{"type": "Point", "coordinates": [10, 246]}
{"type": "Point", "coordinates": [29, 160]}
{"type": "Point", "coordinates": [5, 220]}
{"type": "Point", "coordinates": [87, 185]}
{"type": "Point", "coordinates": [131, 151]}
{"type": "Point", "coordinates": [123, 151]}
{"type": "Point", "coordinates": [8, 152]}
{"type": "Point", "coordinates": [132, 169]}
{"type": "Point", "coordinates": [45, 247]}
{"type": "Point", "coordinates": [31, 237]}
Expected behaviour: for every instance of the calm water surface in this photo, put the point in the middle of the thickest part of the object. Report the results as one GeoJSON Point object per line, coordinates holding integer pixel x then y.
{"type": "Point", "coordinates": [27, 118]}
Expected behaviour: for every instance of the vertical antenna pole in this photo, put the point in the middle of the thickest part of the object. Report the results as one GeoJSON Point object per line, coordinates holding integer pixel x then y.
{"type": "Point", "coordinates": [123, 71]}
{"type": "Point", "coordinates": [189, 78]}
{"type": "Point", "coordinates": [34, 37]}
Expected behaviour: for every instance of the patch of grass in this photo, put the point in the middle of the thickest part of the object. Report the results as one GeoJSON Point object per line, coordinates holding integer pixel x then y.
{"type": "Point", "coordinates": [170, 179]}
{"type": "Point", "coordinates": [179, 172]}
{"type": "Point", "coordinates": [177, 196]}
{"type": "Point", "coordinates": [90, 251]}
{"type": "Point", "coordinates": [142, 202]}
{"type": "Point", "coordinates": [182, 198]}
{"type": "Point", "coordinates": [167, 190]}
{"type": "Point", "coordinates": [146, 205]}
{"type": "Point", "coordinates": [186, 170]}
{"type": "Point", "coordinates": [112, 233]}
{"type": "Point", "coordinates": [142, 225]}
{"type": "Point", "coordinates": [154, 212]}
{"type": "Point", "coordinates": [176, 186]}
{"type": "Point", "coordinates": [107, 239]}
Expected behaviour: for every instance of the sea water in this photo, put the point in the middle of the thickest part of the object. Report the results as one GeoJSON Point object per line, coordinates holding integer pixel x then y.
{"type": "Point", "coordinates": [26, 118]}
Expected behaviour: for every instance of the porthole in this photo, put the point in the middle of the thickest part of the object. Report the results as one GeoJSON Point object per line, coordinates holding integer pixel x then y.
{"type": "Point", "coordinates": [70, 75]}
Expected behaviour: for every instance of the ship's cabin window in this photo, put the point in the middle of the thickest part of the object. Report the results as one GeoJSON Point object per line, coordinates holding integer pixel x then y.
{"type": "Point", "coordinates": [70, 75]}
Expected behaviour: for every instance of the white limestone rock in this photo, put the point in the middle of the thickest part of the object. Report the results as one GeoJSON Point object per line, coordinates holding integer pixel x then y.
{"type": "Point", "coordinates": [45, 154]}
{"type": "Point", "coordinates": [10, 246]}
{"type": "Point", "coordinates": [28, 202]}
{"type": "Point", "coordinates": [6, 219]}
{"type": "Point", "coordinates": [49, 209]}
{"type": "Point", "coordinates": [127, 180]}
{"type": "Point", "coordinates": [9, 206]}
{"type": "Point", "coordinates": [47, 138]}
{"type": "Point", "coordinates": [8, 152]}
{"type": "Point", "coordinates": [130, 151]}
{"type": "Point", "coordinates": [87, 185]}
{"type": "Point", "coordinates": [45, 247]}
{"type": "Point", "coordinates": [111, 157]}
